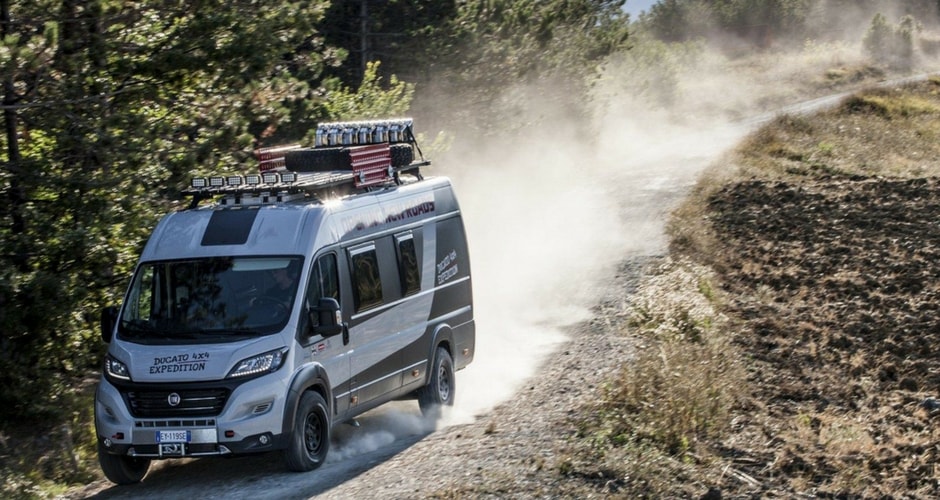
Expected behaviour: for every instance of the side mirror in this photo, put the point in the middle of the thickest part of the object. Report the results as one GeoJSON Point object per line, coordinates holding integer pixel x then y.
{"type": "Point", "coordinates": [109, 317]}
{"type": "Point", "coordinates": [326, 318]}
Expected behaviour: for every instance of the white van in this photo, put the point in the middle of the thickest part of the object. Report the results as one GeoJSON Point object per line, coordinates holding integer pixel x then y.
{"type": "Point", "coordinates": [298, 299]}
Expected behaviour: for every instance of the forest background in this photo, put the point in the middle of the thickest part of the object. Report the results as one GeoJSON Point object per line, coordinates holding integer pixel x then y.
{"type": "Point", "coordinates": [110, 106]}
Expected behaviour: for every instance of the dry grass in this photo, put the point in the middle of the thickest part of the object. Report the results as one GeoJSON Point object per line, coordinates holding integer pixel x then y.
{"type": "Point", "coordinates": [877, 132]}
{"type": "Point", "coordinates": [678, 392]}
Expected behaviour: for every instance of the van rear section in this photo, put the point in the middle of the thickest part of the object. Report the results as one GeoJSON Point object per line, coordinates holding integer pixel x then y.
{"type": "Point", "coordinates": [332, 282]}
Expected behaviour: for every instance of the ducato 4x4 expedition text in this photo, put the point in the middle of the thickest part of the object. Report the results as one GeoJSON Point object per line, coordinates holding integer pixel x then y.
{"type": "Point", "coordinates": [333, 281]}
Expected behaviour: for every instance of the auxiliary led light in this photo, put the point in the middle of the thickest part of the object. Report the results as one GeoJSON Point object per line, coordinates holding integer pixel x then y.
{"type": "Point", "coordinates": [199, 182]}
{"type": "Point", "coordinates": [252, 179]}
{"type": "Point", "coordinates": [288, 177]}
{"type": "Point", "coordinates": [234, 180]}
{"type": "Point", "coordinates": [216, 181]}
{"type": "Point", "coordinates": [269, 177]}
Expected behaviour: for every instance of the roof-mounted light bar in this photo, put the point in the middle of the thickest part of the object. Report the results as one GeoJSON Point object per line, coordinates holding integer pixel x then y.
{"type": "Point", "coordinates": [238, 181]}
{"type": "Point", "coordinates": [364, 132]}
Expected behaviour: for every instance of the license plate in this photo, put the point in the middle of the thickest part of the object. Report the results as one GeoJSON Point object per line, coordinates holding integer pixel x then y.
{"type": "Point", "coordinates": [174, 436]}
{"type": "Point", "coordinates": [172, 449]}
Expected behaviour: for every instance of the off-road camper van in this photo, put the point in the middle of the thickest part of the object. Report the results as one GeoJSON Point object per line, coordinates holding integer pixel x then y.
{"type": "Point", "coordinates": [282, 303]}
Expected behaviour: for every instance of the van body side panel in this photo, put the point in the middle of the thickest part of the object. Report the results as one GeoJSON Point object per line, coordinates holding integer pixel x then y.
{"type": "Point", "coordinates": [382, 337]}
{"type": "Point", "coordinates": [334, 358]}
{"type": "Point", "coordinates": [453, 300]}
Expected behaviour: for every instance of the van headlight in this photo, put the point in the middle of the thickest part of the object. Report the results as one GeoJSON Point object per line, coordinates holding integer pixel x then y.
{"type": "Point", "coordinates": [116, 369]}
{"type": "Point", "coordinates": [256, 365]}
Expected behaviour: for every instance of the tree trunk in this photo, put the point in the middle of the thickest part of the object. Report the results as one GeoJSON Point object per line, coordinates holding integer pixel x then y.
{"type": "Point", "coordinates": [16, 195]}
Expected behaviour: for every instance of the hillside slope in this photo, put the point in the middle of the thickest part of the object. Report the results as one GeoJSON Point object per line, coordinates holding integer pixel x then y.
{"type": "Point", "coordinates": [820, 237]}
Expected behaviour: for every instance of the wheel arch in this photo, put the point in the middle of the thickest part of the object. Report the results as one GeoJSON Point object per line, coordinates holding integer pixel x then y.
{"type": "Point", "coordinates": [311, 378]}
{"type": "Point", "coordinates": [443, 337]}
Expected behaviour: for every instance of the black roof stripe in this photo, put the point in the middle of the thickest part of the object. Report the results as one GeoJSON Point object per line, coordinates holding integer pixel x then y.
{"type": "Point", "coordinates": [229, 227]}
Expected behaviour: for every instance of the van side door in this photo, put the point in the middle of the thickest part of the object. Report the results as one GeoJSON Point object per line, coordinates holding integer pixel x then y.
{"type": "Point", "coordinates": [416, 291]}
{"type": "Point", "coordinates": [333, 353]}
{"type": "Point", "coordinates": [374, 326]}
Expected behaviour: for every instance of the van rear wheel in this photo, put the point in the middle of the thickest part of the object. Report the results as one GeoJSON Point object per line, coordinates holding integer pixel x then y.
{"type": "Point", "coordinates": [310, 440]}
{"type": "Point", "coordinates": [122, 469]}
{"type": "Point", "coordinates": [441, 389]}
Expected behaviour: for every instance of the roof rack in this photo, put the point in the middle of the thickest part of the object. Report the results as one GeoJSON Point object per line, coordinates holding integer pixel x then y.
{"type": "Point", "coordinates": [347, 157]}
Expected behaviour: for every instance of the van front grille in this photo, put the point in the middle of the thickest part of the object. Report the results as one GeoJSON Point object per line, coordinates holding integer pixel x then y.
{"type": "Point", "coordinates": [155, 424]}
{"type": "Point", "coordinates": [182, 403]}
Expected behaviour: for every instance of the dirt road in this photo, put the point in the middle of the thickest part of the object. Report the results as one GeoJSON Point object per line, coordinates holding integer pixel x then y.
{"type": "Point", "coordinates": [544, 347]}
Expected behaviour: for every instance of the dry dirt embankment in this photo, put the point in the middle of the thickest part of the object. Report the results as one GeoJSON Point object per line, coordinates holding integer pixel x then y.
{"type": "Point", "coordinates": [825, 243]}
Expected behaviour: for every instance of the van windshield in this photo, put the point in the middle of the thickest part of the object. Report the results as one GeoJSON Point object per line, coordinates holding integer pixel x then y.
{"type": "Point", "coordinates": [211, 299]}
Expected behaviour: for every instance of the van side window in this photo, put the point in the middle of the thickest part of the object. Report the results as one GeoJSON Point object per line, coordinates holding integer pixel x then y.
{"type": "Point", "coordinates": [408, 264]}
{"type": "Point", "coordinates": [326, 279]}
{"type": "Point", "coordinates": [367, 285]}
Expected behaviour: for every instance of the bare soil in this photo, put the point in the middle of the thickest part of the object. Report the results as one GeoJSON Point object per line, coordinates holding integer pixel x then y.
{"type": "Point", "coordinates": [836, 284]}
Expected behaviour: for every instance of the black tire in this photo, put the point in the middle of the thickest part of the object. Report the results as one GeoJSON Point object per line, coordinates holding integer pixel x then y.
{"type": "Point", "coordinates": [402, 155]}
{"type": "Point", "coordinates": [441, 388]}
{"type": "Point", "coordinates": [337, 158]}
{"type": "Point", "coordinates": [122, 469]}
{"type": "Point", "coordinates": [317, 159]}
{"type": "Point", "coordinates": [310, 439]}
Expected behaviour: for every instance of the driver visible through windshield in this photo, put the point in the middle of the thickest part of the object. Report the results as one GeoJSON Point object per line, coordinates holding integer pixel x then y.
{"type": "Point", "coordinates": [211, 298]}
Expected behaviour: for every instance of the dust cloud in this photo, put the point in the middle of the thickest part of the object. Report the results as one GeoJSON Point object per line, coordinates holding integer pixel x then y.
{"type": "Point", "coordinates": [552, 209]}
{"type": "Point", "coordinates": [549, 220]}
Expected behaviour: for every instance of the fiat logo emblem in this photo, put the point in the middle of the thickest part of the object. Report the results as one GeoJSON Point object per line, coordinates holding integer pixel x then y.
{"type": "Point", "coordinates": [173, 399]}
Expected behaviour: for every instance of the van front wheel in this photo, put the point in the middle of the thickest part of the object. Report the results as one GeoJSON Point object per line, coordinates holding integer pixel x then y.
{"type": "Point", "coordinates": [122, 469]}
{"type": "Point", "coordinates": [310, 440]}
{"type": "Point", "coordinates": [440, 390]}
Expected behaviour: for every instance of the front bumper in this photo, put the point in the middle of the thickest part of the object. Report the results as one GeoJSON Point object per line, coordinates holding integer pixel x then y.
{"type": "Point", "coordinates": [251, 421]}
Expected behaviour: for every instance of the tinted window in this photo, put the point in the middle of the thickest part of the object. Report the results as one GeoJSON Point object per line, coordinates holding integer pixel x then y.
{"type": "Point", "coordinates": [208, 299]}
{"type": "Point", "coordinates": [367, 285]}
{"type": "Point", "coordinates": [326, 279]}
{"type": "Point", "coordinates": [408, 264]}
